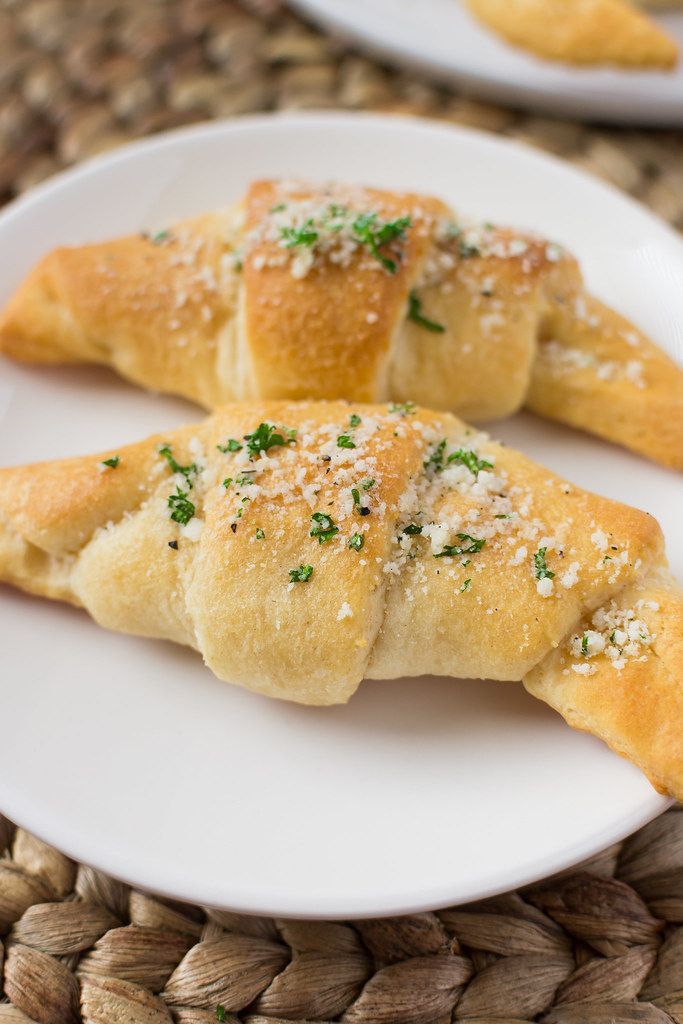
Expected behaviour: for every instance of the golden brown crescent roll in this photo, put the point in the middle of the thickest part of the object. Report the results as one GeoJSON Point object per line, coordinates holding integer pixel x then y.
{"type": "Point", "coordinates": [350, 293]}
{"type": "Point", "coordinates": [581, 31]}
{"type": "Point", "coordinates": [303, 547]}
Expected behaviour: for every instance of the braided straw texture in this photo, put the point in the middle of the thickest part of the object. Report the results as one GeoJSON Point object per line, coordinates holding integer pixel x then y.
{"type": "Point", "coordinates": [600, 944]}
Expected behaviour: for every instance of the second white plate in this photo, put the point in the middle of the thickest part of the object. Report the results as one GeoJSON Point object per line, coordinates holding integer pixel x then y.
{"type": "Point", "coordinates": [130, 755]}
{"type": "Point", "coordinates": [442, 38]}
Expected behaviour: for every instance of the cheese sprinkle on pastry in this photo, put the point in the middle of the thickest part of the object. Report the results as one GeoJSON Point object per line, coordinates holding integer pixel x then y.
{"type": "Point", "coordinates": [301, 547]}
{"type": "Point", "coordinates": [336, 292]}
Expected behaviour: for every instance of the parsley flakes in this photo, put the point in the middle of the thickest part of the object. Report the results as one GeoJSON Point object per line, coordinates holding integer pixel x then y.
{"type": "Point", "coordinates": [360, 509]}
{"type": "Point", "coordinates": [323, 528]}
{"type": "Point", "coordinates": [467, 250]}
{"type": "Point", "coordinates": [345, 441]}
{"type": "Point", "coordinates": [541, 570]}
{"type": "Point", "coordinates": [111, 463]}
{"type": "Point", "coordinates": [306, 235]}
{"type": "Point", "coordinates": [402, 408]}
{"type": "Point", "coordinates": [175, 467]}
{"type": "Point", "coordinates": [435, 460]}
{"type": "Point", "coordinates": [265, 437]}
{"type": "Point", "coordinates": [374, 234]}
{"type": "Point", "coordinates": [469, 546]}
{"type": "Point", "coordinates": [471, 460]}
{"type": "Point", "coordinates": [356, 541]}
{"type": "Point", "coordinates": [182, 509]}
{"type": "Point", "coordinates": [231, 445]}
{"type": "Point", "coordinates": [158, 237]}
{"type": "Point", "coordinates": [301, 574]}
{"type": "Point", "coordinates": [416, 316]}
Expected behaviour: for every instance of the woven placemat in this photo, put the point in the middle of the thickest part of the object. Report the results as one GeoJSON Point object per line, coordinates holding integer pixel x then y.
{"type": "Point", "coordinates": [597, 945]}
{"type": "Point", "coordinates": [600, 944]}
{"type": "Point", "coordinates": [80, 76]}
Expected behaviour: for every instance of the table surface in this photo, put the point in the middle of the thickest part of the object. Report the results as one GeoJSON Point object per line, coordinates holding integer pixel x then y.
{"type": "Point", "coordinates": [78, 77]}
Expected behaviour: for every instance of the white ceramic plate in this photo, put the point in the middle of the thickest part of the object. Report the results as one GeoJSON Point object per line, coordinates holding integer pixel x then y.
{"type": "Point", "coordinates": [442, 38]}
{"type": "Point", "coordinates": [129, 755]}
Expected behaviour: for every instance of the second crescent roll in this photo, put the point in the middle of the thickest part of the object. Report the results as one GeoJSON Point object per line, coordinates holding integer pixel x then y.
{"type": "Point", "coordinates": [588, 32]}
{"type": "Point", "coordinates": [301, 547]}
{"type": "Point", "coordinates": [337, 292]}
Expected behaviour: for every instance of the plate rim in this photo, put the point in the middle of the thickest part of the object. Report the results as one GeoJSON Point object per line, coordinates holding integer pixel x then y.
{"type": "Point", "coordinates": [426, 899]}
{"type": "Point", "coordinates": [488, 86]}
{"type": "Point", "coordinates": [256, 121]}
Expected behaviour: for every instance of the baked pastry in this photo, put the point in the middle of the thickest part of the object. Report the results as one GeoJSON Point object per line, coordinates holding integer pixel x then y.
{"type": "Point", "coordinates": [350, 293]}
{"type": "Point", "coordinates": [581, 31]}
{"type": "Point", "coordinates": [302, 547]}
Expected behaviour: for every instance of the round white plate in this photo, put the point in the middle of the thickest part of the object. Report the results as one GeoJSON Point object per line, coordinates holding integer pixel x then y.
{"type": "Point", "coordinates": [128, 753]}
{"type": "Point", "coordinates": [442, 38]}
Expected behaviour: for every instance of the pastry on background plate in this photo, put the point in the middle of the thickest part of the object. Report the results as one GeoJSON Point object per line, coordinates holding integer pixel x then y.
{"type": "Point", "coordinates": [582, 32]}
{"type": "Point", "coordinates": [338, 292]}
{"type": "Point", "coordinates": [301, 547]}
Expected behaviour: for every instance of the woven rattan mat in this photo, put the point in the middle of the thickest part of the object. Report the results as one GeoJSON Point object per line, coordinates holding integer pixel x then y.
{"type": "Point", "coordinates": [599, 945]}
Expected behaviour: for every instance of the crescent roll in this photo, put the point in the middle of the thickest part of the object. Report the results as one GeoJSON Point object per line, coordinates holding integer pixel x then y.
{"type": "Point", "coordinates": [349, 293]}
{"type": "Point", "coordinates": [301, 547]}
{"type": "Point", "coordinates": [581, 31]}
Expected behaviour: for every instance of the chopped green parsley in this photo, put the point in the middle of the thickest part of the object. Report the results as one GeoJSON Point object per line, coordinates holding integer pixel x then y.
{"type": "Point", "coordinates": [402, 408]}
{"type": "Point", "coordinates": [301, 574]}
{"type": "Point", "coordinates": [111, 463]}
{"type": "Point", "coordinates": [323, 527]}
{"type": "Point", "coordinates": [354, 420]}
{"type": "Point", "coordinates": [157, 237]}
{"type": "Point", "coordinates": [358, 508]}
{"type": "Point", "coordinates": [541, 570]}
{"type": "Point", "coordinates": [469, 546]}
{"type": "Point", "coordinates": [435, 460]}
{"type": "Point", "coordinates": [305, 235]}
{"type": "Point", "coordinates": [265, 437]}
{"type": "Point", "coordinates": [227, 482]}
{"type": "Point", "coordinates": [375, 234]}
{"type": "Point", "coordinates": [584, 645]}
{"type": "Point", "coordinates": [416, 315]}
{"type": "Point", "coordinates": [182, 509]}
{"type": "Point", "coordinates": [260, 535]}
{"type": "Point", "coordinates": [412, 530]}
{"type": "Point", "coordinates": [345, 441]}
{"type": "Point", "coordinates": [471, 460]}
{"type": "Point", "coordinates": [175, 467]}
{"type": "Point", "coordinates": [356, 541]}
{"type": "Point", "coordinates": [367, 484]}
{"type": "Point", "coordinates": [231, 445]}
{"type": "Point", "coordinates": [467, 250]}
{"type": "Point", "coordinates": [465, 586]}
{"type": "Point", "coordinates": [220, 1013]}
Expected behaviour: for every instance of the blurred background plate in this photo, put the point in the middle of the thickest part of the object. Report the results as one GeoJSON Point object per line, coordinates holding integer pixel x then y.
{"type": "Point", "coordinates": [441, 37]}
{"type": "Point", "coordinates": [128, 754]}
